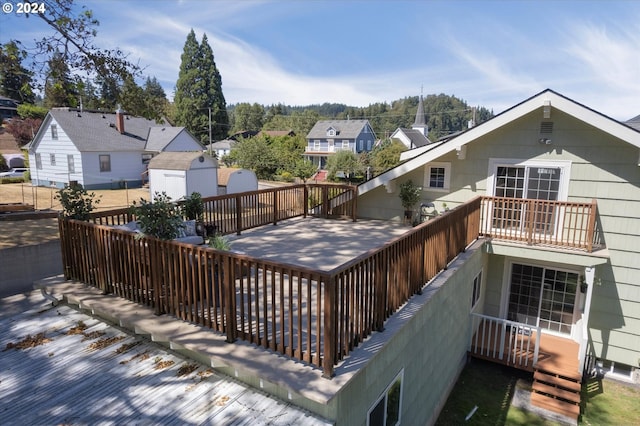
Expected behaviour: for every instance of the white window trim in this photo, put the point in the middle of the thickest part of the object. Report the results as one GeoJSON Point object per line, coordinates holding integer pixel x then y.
{"type": "Point", "coordinates": [447, 177]}
{"type": "Point", "coordinates": [563, 165]}
{"type": "Point", "coordinates": [400, 376]}
{"type": "Point", "coordinates": [506, 288]}
{"type": "Point", "coordinates": [478, 278]}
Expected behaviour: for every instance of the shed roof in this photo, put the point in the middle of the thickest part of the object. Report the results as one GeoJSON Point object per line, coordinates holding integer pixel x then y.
{"type": "Point", "coordinates": [179, 160]}
{"type": "Point", "coordinates": [81, 370]}
{"type": "Point", "coordinates": [225, 173]}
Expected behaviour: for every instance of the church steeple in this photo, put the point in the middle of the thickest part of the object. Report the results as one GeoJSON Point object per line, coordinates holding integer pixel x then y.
{"type": "Point", "coordinates": [420, 123]}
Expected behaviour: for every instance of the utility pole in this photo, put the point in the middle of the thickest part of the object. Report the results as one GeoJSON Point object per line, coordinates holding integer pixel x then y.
{"type": "Point", "coordinates": [210, 148]}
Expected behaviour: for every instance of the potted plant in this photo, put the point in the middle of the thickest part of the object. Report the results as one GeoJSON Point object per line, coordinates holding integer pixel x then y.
{"type": "Point", "coordinates": [193, 207]}
{"type": "Point", "coordinates": [409, 196]}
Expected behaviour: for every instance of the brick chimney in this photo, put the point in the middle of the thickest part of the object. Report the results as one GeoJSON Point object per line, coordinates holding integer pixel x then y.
{"type": "Point", "coordinates": [120, 120]}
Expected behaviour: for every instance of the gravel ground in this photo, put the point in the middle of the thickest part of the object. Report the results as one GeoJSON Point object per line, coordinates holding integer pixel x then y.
{"type": "Point", "coordinates": [26, 232]}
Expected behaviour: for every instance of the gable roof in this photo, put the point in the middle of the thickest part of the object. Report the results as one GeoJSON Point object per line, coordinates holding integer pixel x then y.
{"type": "Point", "coordinates": [417, 138]}
{"type": "Point", "coordinates": [96, 131]}
{"type": "Point", "coordinates": [634, 122]}
{"type": "Point", "coordinates": [345, 129]}
{"type": "Point", "coordinates": [420, 156]}
{"type": "Point", "coordinates": [160, 137]}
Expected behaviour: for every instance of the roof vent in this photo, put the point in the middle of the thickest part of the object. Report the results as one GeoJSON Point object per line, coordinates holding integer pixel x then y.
{"type": "Point", "coordinates": [546, 127]}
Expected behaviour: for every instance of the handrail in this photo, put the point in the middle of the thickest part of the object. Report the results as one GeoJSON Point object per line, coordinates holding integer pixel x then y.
{"type": "Point", "coordinates": [540, 222]}
{"type": "Point", "coordinates": [313, 316]}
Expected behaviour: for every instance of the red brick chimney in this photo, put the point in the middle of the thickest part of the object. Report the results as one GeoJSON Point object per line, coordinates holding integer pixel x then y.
{"type": "Point", "coordinates": [120, 120]}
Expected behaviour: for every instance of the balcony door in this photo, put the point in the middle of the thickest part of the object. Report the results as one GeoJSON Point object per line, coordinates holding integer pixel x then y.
{"type": "Point", "coordinates": [515, 183]}
{"type": "Point", "coordinates": [543, 297]}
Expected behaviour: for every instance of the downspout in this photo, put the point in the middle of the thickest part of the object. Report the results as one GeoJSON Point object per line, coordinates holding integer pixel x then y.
{"type": "Point", "coordinates": [589, 279]}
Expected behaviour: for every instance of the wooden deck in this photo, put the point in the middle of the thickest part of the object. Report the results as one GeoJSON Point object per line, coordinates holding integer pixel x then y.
{"type": "Point", "coordinates": [514, 346]}
{"type": "Point", "coordinates": [553, 360]}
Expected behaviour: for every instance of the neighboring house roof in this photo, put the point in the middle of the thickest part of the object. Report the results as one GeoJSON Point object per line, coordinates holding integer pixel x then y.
{"type": "Point", "coordinates": [160, 137]}
{"type": "Point", "coordinates": [420, 156]}
{"type": "Point", "coordinates": [223, 175]}
{"type": "Point", "coordinates": [223, 144]}
{"type": "Point", "coordinates": [275, 133]}
{"type": "Point", "coordinates": [88, 372]}
{"type": "Point", "coordinates": [345, 129]}
{"type": "Point", "coordinates": [96, 131]}
{"type": "Point", "coordinates": [634, 122]}
{"type": "Point", "coordinates": [416, 137]}
{"type": "Point", "coordinates": [178, 160]}
{"type": "Point", "coordinates": [243, 134]}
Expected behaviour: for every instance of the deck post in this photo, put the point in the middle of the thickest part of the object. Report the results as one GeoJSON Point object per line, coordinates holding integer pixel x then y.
{"type": "Point", "coordinates": [276, 208]}
{"type": "Point", "coordinates": [591, 225]}
{"type": "Point", "coordinates": [238, 214]}
{"type": "Point", "coordinates": [229, 297]}
{"type": "Point", "coordinates": [330, 327]}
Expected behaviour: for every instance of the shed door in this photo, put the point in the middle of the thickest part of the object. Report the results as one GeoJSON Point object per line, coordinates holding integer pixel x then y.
{"type": "Point", "coordinates": [175, 186]}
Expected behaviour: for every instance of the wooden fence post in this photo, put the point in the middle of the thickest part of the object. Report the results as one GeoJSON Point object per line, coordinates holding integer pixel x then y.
{"type": "Point", "coordinates": [330, 327]}
{"type": "Point", "coordinates": [380, 290]}
{"type": "Point", "coordinates": [229, 296]}
{"type": "Point", "coordinates": [275, 207]}
{"type": "Point", "coordinates": [238, 214]}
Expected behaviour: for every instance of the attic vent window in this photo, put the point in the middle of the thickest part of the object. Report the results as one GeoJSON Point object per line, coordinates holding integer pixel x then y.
{"type": "Point", "coordinates": [546, 127]}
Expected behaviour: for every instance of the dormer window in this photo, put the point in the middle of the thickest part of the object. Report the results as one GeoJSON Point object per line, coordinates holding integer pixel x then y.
{"type": "Point", "coordinates": [331, 132]}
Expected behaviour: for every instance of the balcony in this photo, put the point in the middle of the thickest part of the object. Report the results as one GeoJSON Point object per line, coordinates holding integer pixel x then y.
{"type": "Point", "coordinates": [328, 149]}
{"type": "Point", "coordinates": [558, 224]}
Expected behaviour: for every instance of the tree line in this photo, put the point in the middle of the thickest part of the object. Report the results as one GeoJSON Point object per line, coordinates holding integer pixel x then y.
{"type": "Point", "coordinates": [68, 68]}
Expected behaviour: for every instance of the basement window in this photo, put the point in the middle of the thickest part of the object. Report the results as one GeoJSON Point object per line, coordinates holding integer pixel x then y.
{"type": "Point", "coordinates": [614, 370]}
{"type": "Point", "coordinates": [477, 290]}
{"type": "Point", "coordinates": [387, 409]}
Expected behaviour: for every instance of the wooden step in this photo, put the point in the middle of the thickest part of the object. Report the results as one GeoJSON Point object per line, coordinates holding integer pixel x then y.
{"type": "Point", "coordinates": [568, 383]}
{"type": "Point", "coordinates": [557, 392]}
{"type": "Point", "coordinates": [556, 405]}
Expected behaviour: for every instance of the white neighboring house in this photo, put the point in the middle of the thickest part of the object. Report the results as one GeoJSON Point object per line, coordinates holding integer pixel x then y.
{"type": "Point", "coordinates": [417, 135]}
{"type": "Point", "coordinates": [179, 174]}
{"type": "Point", "coordinates": [100, 150]}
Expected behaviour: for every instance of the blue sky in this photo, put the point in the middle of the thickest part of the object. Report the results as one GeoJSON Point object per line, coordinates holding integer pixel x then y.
{"type": "Point", "coordinates": [489, 53]}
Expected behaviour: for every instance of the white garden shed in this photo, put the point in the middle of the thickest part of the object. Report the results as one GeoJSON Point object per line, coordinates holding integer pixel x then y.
{"type": "Point", "coordinates": [233, 181]}
{"type": "Point", "coordinates": [179, 174]}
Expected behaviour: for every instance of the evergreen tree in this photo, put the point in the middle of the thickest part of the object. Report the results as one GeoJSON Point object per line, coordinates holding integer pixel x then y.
{"type": "Point", "coordinates": [155, 98]}
{"type": "Point", "coordinates": [199, 92]}
{"type": "Point", "coordinates": [59, 88]}
{"type": "Point", "coordinates": [15, 80]}
{"type": "Point", "coordinates": [132, 98]}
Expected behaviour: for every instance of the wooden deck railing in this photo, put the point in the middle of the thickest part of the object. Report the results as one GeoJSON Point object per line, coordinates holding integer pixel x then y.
{"type": "Point", "coordinates": [234, 213]}
{"type": "Point", "coordinates": [313, 316]}
{"type": "Point", "coordinates": [507, 342]}
{"type": "Point", "coordinates": [540, 222]}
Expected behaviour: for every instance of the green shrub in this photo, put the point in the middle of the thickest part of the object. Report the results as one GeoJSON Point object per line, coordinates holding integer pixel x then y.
{"type": "Point", "coordinates": [76, 202]}
{"type": "Point", "coordinates": [193, 207]}
{"type": "Point", "coordinates": [159, 218]}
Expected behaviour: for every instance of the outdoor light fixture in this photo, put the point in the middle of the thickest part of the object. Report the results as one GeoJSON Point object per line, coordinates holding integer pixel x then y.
{"type": "Point", "coordinates": [544, 141]}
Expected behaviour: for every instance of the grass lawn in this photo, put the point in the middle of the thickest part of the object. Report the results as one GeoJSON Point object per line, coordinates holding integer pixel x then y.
{"type": "Point", "coordinates": [491, 388]}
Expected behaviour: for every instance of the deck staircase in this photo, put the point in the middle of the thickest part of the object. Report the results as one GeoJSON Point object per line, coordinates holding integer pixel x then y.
{"type": "Point", "coordinates": [557, 380]}
{"type": "Point", "coordinates": [557, 390]}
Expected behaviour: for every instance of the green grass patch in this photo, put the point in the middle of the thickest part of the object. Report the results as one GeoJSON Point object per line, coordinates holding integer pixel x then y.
{"type": "Point", "coordinates": [491, 388]}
